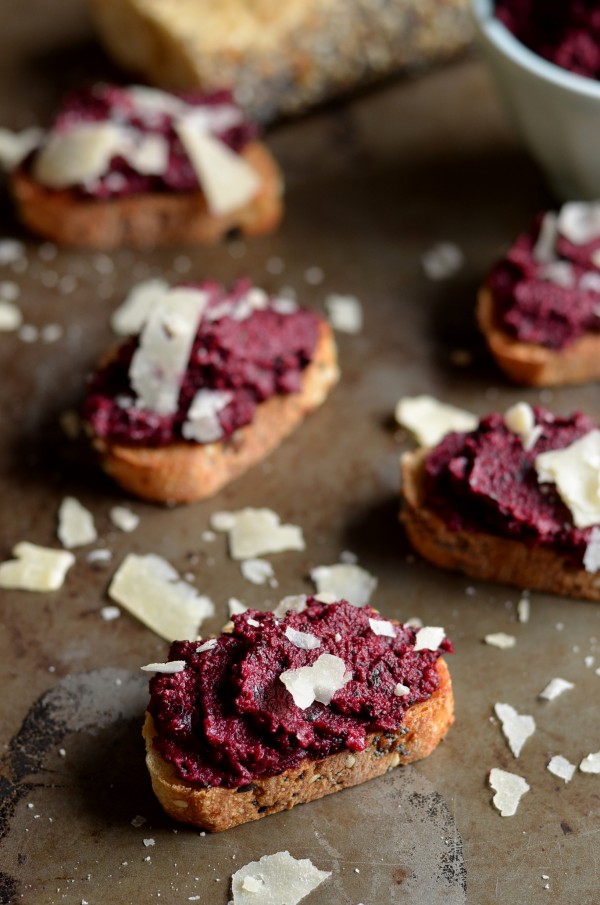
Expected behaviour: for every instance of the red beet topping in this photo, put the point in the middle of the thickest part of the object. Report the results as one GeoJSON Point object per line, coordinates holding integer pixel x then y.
{"type": "Point", "coordinates": [485, 481]}
{"type": "Point", "coordinates": [566, 32]}
{"type": "Point", "coordinates": [534, 309]}
{"type": "Point", "coordinates": [228, 719]}
{"type": "Point", "coordinates": [111, 102]}
{"type": "Point", "coordinates": [254, 359]}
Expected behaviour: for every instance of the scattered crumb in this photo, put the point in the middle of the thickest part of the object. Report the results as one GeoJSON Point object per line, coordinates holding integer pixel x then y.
{"type": "Point", "coordinates": [345, 581]}
{"type": "Point", "coordinates": [123, 518]}
{"type": "Point", "coordinates": [509, 788]}
{"type": "Point", "coordinates": [345, 313]}
{"type": "Point", "coordinates": [442, 261]}
{"type": "Point", "coordinates": [561, 767]}
{"type": "Point", "coordinates": [11, 250]}
{"type": "Point", "coordinates": [523, 610]}
{"type": "Point", "coordinates": [110, 613]}
{"type": "Point", "coordinates": [554, 688]}
{"type": "Point", "coordinates": [51, 333]}
{"type": "Point", "coordinates": [591, 763]}
{"type": "Point", "coordinates": [75, 524]}
{"type": "Point", "coordinates": [517, 728]}
{"type": "Point", "coordinates": [255, 532]}
{"type": "Point", "coordinates": [28, 333]}
{"type": "Point", "coordinates": [138, 820]}
{"type": "Point", "coordinates": [149, 842]}
{"type": "Point", "coordinates": [314, 276]}
{"type": "Point", "coordinates": [11, 318]}
{"type": "Point", "coordinates": [257, 571]}
{"type": "Point", "coordinates": [99, 556]}
{"type": "Point", "coordinates": [275, 266]}
{"type": "Point", "coordinates": [501, 640]}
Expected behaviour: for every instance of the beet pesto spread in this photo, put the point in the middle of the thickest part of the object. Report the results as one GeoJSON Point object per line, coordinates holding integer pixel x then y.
{"type": "Point", "coordinates": [247, 348]}
{"type": "Point", "coordinates": [228, 718]}
{"type": "Point", "coordinates": [142, 113]}
{"type": "Point", "coordinates": [546, 289]}
{"type": "Point", "coordinates": [486, 481]}
{"type": "Point", "coordinates": [565, 32]}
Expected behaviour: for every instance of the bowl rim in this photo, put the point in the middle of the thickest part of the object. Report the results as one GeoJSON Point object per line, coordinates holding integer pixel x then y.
{"type": "Point", "coordinates": [503, 40]}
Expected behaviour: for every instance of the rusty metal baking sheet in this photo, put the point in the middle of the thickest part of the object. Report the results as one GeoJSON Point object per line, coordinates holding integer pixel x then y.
{"type": "Point", "coordinates": [371, 185]}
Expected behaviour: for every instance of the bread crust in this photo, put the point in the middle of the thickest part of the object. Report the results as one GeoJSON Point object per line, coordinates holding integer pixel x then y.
{"type": "Point", "coordinates": [139, 221]}
{"type": "Point", "coordinates": [217, 809]}
{"type": "Point", "coordinates": [531, 363]}
{"type": "Point", "coordinates": [483, 556]}
{"type": "Point", "coordinates": [186, 472]}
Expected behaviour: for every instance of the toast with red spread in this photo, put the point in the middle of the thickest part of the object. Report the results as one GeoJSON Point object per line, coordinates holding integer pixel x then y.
{"type": "Point", "coordinates": [244, 729]}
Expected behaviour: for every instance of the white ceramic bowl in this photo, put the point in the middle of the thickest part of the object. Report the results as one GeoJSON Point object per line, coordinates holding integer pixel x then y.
{"type": "Point", "coordinates": [556, 111]}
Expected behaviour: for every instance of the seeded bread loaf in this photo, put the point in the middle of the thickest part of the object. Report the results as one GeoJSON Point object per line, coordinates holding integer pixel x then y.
{"type": "Point", "coordinates": [185, 472]}
{"type": "Point", "coordinates": [481, 555]}
{"type": "Point", "coordinates": [147, 220]}
{"type": "Point", "coordinates": [533, 364]}
{"type": "Point", "coordinates": [217, 809]}
{"type": "Point", "coordinates": [280, 57]}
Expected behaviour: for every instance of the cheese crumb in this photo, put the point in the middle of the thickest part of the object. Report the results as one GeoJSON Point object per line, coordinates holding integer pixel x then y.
{"type": "Point", "coordinates": [429, 637]}
{"type": "Point", "coordinates": [430, 420]}
{"type": "Point", "coordinates": [151, 590]}
{"type": "Point", "coordinates": [170, 668]}
{"type": "Point", "coordinates": [591, 763]}
{"type": "Point", "coordinates": [35, 568]}
{"type": "Point", "coordinates": [124, 519]}
{"type": "Point", "coordinates": [15, 146]}
{"type": "Point", "coordinates": [575, 470]}
{"type": "Point", "coordinates": [302, 640]}
{"type": "Point", "coordinates": [345, 582]}
{"type": "Point", "coordinates": [257, 571]}
{"type": "Point", "coordinates": [207, 645]}
{"type": "Point", "coordinates": [523, 610]}
{"type": "Point", "coordinates": [318, 682]}
{"type": "Point", "coordinates": [561, 767]}
{"type": "Point", "coordinates": [591, 557]}
{"type": "Point", "coordinates": [401, 690]}
{"type": "Point", "coordinates": [295, 603]}
{"type": "Point", "coordinates": [345, 313]}
{"type": "Point", "coordinates": [255, 532]}
{"type": "Point", "coordinates": [202, 422]}
{"type": "Point", "coordinates": [75, 524]}
{"type": "Point", "coordinates": [554, 688]}
{"type": "Point", "coordinates": [382, 627]}
{"type": "Point", "coordinates": [236, 607]}
{"type": "Point", "coordinates": [110, 613]}
{"type": "Point", "coordinates": [509, 789]}
{"type": "Point", "coordinates": [501, 640]}
{"type": "Point", "coordinates": [579, 222]}
{"type": "Point", "coordinates": [517, 728]}
{"type": "Point", "coordinates": [442, 261]}
{"type": "Point", "coordinates": [131, 316]}
{"type": "Point", "coordinates": [11, 317]}
{"type": "Point", "coordinates": [282, 879]}
{"type": "Point", "coordinates": [520, 419]}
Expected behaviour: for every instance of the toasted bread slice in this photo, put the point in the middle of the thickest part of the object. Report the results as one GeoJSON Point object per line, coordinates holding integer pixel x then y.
{"type": "Point", "coordinates": [217, 809]}
{"type": "Point", "coordinates": [485, 556]}
{"type": "Point", "coordinates": [533, 364]}
{"type": "Point", "coordinates": [148, 220]}
{"type": "Point", "coordinates": [185, 472]}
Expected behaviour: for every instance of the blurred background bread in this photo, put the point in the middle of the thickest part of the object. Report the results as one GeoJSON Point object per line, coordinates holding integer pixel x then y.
{"type": "Point", "coordinates": [281, 56]}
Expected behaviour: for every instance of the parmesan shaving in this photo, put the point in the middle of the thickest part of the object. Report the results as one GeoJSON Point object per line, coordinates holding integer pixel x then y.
{"type": "Point", "coordinates": [15, 146]}
{"type": "Point", "coordinates": [509, 788]}
{"type": "Point", "coordinates": [11, 317]}
{"type": "Point", "coordinates": [591, 763]}
{"type": "Point", "coordinates": [236, 607]}
{"type": "Point", "coordinates": [202, 422]}
{"type": "Point", "coordinates": [554, 688]}
{"type": "Point", "coordinates": [318, 682]}
{"type": "Point", "coordinates": [575, 471]}
{"type": "Point", "coordinates": [517, 728]}
{"type": "Point", "coordinates": [257, 571]}
{"type": "Point", "coordinates": [80, 155]}
{"type": "Point", "coordinates": [170, 668]}
{"type": "Point", "coordinates": [277, 879]}
{"type": "Point", "coordinates": [430, 420]}
{"type": "Point", "coordinates": [501, 640]}
{"type": "Point", "coordinates": [520, 419]}
{"type": "Point", "coordinates": [591, 557]}
{"type": "Point", "coordinates": [345, 313]}
{"type": "Point", "coordinates": [429, 637]}
{"type": "Point", "coordinates": [382, 627]}
{"type": "Point", "coordinates": [401, 690]}
{"type": "Point", "coordinates": [124, 519]}
{"type": "Point", "coordinates": [302, 640]}
{"type": "Point", "coordinates": [579, 222]}
{"type": "Point", "coordinates": [254, 532]}
{"type": "Point", "coordinates": [151, 590]}
{"type": "Point", "coordinates": [544, 249]}
{"type": "Point", "coordinates": [35, 568]}
{"type": "Point", "coordinates": [207, 645]}
{"type": "Point", "coordinates": [561, 767]}
{"type": "Point", "coordinates": [345, 582]}
{"type": "Point", "coordinates": [131, 316]}
{"type": "Point", "coordinates": [75, 524]}
{"type": "Point", "coordinates": [292, 604]}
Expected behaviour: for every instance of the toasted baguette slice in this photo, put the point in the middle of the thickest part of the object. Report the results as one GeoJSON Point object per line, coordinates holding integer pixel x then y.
{"type": "Point", "coordinates": [185, 472]}
{"type": "Point", "coordinates": [533, 364]}
{"type": "Point", "coordinates": [217, 809]}
{"type": "Point", "coordinates": [148, 220]}
{"type": "Point", "coordinates": [485, 556]}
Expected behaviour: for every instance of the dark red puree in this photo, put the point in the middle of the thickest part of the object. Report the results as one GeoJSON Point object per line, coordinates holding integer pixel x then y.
{"type": "Point", "coordinates": [254, 359]}
{"type": "Point", "coordinates": [228, 719]}
{"type": "Point", "coordinates": [566, 32]}
{"type": "Point", "coordinates": [104, 102]}
{"type": "Point", "coordinates": [486, 481]}
{"type": "Point", "coordinates": [534, 309]}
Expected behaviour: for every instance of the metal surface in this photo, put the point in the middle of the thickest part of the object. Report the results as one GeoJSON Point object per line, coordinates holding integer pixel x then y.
{"type": "Point", "coordinates": [371, 184]}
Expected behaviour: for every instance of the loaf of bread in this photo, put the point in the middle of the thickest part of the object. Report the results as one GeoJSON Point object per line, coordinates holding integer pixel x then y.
{"type": "Point", "coordinates": [281, 57]}
{"type": "Point", "coordinates": [219, 807]}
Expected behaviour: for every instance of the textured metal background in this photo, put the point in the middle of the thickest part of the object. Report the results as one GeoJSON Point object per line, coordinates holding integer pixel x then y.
{"type": "Point", "coordinates": [371, 185]}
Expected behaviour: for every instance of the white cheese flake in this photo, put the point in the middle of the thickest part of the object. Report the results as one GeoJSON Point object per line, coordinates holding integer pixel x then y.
{"type": "Point", "coordinates": [544, 249]}
{"type": "Point", "coordinates": [442, 261]}
{"type": "Point", "coordinates": [110, 613]}
{"type": "Point", "coordinates": [253, 622]}
{"type": "Point", "coordinates": [11, 251]}
{"type": "Point", "coordinates": [554, 688]}
{"type": "Point", "coordinates": [590, 763]}
{"type": "Point", "coordinates": [575, 470]}
{"type": "Point", "coordinates": [509, 789]}
{"type": "Point", "coordinates": [236, 607]}
{"type": "Point", "coordinates": [591, 557]}
{"type": "Point", "coordinates": [228, 182]}
{"type": "Point", "coordinates": [207, 645]}
{"type": "Point", "coordinates": [255, 532]}
{"type": "Point", "coordinates": [382, 627]}
{"type": "Point", "coordinates": [257, 571]}
{"type": "Point", "coordinates": [35, 568]}
{"type": "Point", "coordinates": [523, 610]}
{"type": "Point", "coordinates": [150, 589]}
{"type": "Point", "coordinates": [170, 668]}
{"type": "Point", "coordinates": [344, 312]}
{"type": "Point", "coordinates": [561, 767]}
{"type": "Point", "coordinates": [318, 682]}
{"type": "Point", "coordinates": [561, 273]}
{"type": "Point", "coordinates": [75, 524]}
{"type": "Point", "coordinates": [520, 419]}
{"type": "Point", "coordinates": [15, 146]}
{"type": "Point", "coordinates": [80, 155]}
{"type": "Point", "coordinates": [101, 555]}
{"type": "Point", "coordinates": [302, 640]}
{"type": "Point", "coordinates": [277, 879]}
{"type": "Point", "coordinates": [130, 317]}
{"type": "Point", "coordinates": [345, 582]}
{"type": "Point", "coordinates": [401, 690]}
{"type": "Point", "coordinates": [295, 603]}
{"type": "Point", "coordinates": [11, 317]}
{"type": "Point", "coordinates": [202, 421]}
{"type": "Point", "coordinates": [430, 420]}
{"type": "Point", "coordinates": [579, 222]}
{"type": "Point", "coordinates": [501, 640]}
{"type": "Point", "coordinates": [517, 728]}
{"type": "Point", "coordinates": [124, 519]}
{"type": "Point", "coordinates": [160, 360]}
{"type": "Point", "coordinates": [429, 637]}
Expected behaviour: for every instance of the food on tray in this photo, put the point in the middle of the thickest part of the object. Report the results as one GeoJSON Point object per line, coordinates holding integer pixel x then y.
{"type": "Point", "coordinates": [540, 306]}
{"type": "Point", "coordinates": [282, 57]}
{"type": "Point", "coordinates": [142, 167]}
{"type": "Point", "coordinates": [566, 32]}
{"type": "Point", "coordinates": [516, 500]}
{"type": "Point", "coordinates": [291, 707]}
{"type": "Point", "coordinates": [214, 381]}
